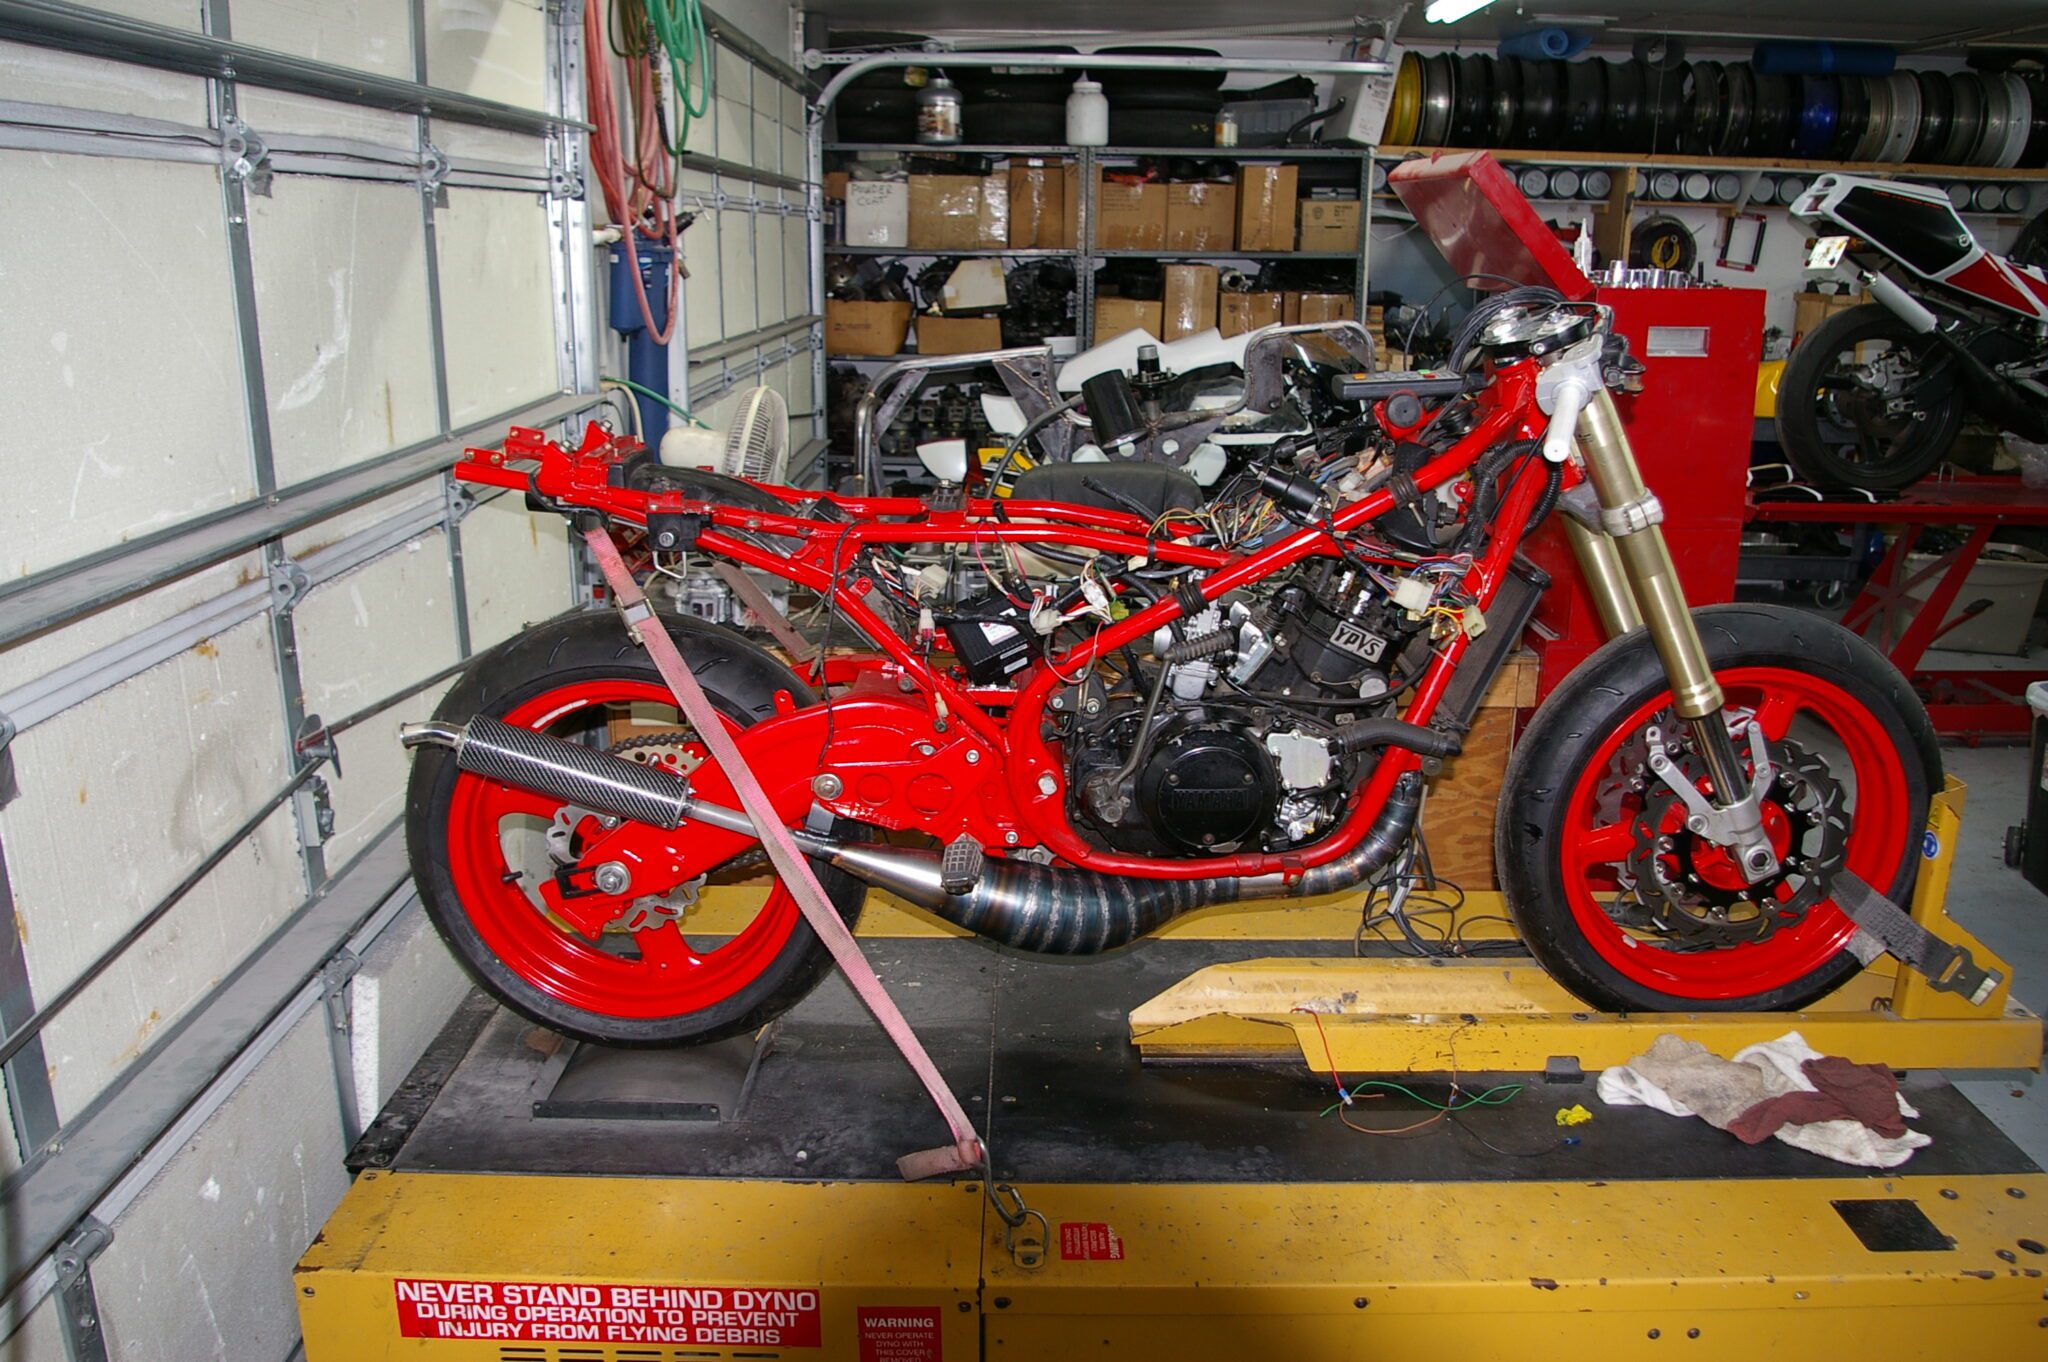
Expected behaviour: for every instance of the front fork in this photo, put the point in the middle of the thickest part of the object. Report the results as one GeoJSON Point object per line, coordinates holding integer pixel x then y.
{"type": "Point", "coordinates": [1619, 543]}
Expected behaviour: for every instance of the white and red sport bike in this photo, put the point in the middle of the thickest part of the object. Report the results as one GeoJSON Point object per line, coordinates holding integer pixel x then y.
{"type": "Point", "coordinates": [1874, 396]}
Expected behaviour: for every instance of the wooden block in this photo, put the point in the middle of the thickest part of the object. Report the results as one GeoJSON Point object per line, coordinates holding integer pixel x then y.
{"type": "Point", "coordinates": [1457, 817]}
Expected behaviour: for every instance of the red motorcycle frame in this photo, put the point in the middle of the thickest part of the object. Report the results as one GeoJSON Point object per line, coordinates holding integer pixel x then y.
{"type": "Point", "coordinates": [915, 747]}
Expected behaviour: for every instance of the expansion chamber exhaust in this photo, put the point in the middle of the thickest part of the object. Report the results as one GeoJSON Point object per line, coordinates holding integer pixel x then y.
{"type": "Point", "coordinates": [1019, 903]}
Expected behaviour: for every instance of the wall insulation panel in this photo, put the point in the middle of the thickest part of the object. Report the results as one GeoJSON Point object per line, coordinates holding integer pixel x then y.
{"type": "Point", "coordinates": [493, 49]}
{"type": "Point", "coordinates": [399, 1000]}
{"type": "Point", "coordinates": [771, 293]}
{"type": "Point", "coordinates": [120, 796]}
{"type": "Point", "coordinates": [736, 263]}
{"type": "Point", "coordinates": [37, 657]}
{"type": "Point", "coordinates": [497, 301]}
{"type": "Point", "coordinates": [40, 1338]}
{"type": "Point", "coordinates": [275, 111]}
{"type": "Point", "coordinates": [119, 388]}
{"type": "Point", "coordinates": [703, 291]}
{"type": "Point", "coordinates": [515, 569]}
{"type": "Point", "coordinates": [200, 1265]}
{"type": "Point", "coordinates": [362, 637]}
{"type": "Point", "coordinates": [38, 75]}
{"type": "Point", "coordinates": [369, 35]}
{"type": "Point", "coordinates": [341, 297]}
{"type": "Point", "coordinates": [182, 14]}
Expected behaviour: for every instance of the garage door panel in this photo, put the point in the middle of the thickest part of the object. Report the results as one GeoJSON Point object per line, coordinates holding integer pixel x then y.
{"type": "Point", "coordinates": [497, 301]}
{"type": "Point", "coordinates": [367, 35]}
{"type": "Point", "coordinates": [341, 296]}
{"type": "Point", "coordinates": [493, 49]}
{"type": "Point", "coordinates": [120, 385]}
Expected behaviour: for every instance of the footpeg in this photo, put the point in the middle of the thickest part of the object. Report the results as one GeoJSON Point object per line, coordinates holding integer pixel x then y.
{"type": "Point", "coordinates": [961, 866]}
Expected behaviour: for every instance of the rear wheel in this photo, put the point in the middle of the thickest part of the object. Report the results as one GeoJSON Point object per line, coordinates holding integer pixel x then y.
{"type": "Point", "coordinates": [656, 974]}
{"type": "Point", "coordinates": [1632, 911]}
{"type": "Point", "coordinates": [1867, 403]}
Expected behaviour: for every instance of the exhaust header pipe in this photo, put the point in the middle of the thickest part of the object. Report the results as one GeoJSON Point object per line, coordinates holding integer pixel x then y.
{"type": "Point", "coordinates": [1081, 912]}
{"type": "Point", "coordinates": [1018, 903]}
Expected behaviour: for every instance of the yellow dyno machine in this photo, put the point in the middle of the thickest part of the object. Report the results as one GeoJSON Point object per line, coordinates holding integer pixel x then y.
{"type": "Point", "coordinates": [1157, 1112]}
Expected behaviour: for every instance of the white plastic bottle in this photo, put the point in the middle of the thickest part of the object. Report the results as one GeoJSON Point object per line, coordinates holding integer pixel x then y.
{"type": "Point", "coordinates": [1087, 115]}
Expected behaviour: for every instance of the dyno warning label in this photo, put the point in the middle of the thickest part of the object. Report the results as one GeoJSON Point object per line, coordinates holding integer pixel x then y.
{"type": "Point", "coordinates": [584, 1312]}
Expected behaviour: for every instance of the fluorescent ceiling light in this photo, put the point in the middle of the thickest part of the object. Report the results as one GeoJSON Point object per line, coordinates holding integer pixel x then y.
{"type": "Point", "coordinates": [1450, 11]}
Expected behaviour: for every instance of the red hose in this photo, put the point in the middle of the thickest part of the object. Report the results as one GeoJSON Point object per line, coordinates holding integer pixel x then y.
{"type": "Point", "coordinates": [632, 193]}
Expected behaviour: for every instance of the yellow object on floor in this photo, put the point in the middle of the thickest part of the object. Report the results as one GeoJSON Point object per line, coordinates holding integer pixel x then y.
{"type": "Point", "coordinates": [1574, 1115]}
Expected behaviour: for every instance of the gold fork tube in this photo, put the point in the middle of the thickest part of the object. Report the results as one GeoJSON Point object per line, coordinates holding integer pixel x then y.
{"type": "Point", "coordinates": [1600, 564]}
{"type": "Point", "coordinates": [1645, 562]}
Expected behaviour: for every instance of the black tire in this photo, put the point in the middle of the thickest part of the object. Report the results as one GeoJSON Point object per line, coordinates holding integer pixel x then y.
{"type": "Point", "coordinates": [2030, 247]}
{"type": "Point", "coordinates": [1582, 713]}
{"type": "Point", "coordinates": [1014, 124]}
{"type": "Point", "coordinates": [1819, 421]}
{"type": "Point", "coordinates": [1194, 77]}
{"type": "Point", "coordinates": [1161, 127]}
{"type": "Point", "coordinates": [742, 681]}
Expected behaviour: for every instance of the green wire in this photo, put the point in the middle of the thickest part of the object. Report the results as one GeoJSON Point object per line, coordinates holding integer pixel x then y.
{"type": "Point", "coordinates": [631, 386]}
{"type": "Point", "coordinates": [1506, 1091]}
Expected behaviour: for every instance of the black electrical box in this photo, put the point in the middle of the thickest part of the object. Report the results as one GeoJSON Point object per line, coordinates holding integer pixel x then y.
{"type": "Point", "coordinates": [992, 637]}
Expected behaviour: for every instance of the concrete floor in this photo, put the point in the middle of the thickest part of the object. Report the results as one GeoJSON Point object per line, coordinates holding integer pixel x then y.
{"type": "Point", "coordinates": [2008, 915]}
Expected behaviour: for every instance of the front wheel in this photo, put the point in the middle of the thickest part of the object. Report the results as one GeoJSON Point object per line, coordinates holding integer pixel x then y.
{"type": "Point", "coordinates": [1633, 912]}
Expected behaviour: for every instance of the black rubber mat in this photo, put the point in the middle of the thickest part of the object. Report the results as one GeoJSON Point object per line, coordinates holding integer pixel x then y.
{"type": "Point", "coordinates": [1043, 1043]}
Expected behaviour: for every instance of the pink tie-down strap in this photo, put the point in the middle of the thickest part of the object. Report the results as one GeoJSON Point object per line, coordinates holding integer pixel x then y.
{"type": "Point", "coordinates": [965, 1153]}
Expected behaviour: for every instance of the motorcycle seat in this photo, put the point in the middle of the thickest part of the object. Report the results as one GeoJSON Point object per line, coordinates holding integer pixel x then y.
{"type": "Point", "coordinates": [1111, 487]}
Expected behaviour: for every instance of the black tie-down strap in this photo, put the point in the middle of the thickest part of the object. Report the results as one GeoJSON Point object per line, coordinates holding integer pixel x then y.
{"type": "Point", "coordinates": [1948, 967]}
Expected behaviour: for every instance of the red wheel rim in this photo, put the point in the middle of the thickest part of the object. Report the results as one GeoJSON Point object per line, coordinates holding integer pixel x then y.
{"type": "Point", "coordinates": [1876, 842]}
{"type": "Point", "coordinates": [670, 977]}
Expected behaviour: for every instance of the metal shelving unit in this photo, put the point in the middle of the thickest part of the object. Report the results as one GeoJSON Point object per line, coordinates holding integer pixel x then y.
{"type": "Point", "coordinates": [1088, 255]}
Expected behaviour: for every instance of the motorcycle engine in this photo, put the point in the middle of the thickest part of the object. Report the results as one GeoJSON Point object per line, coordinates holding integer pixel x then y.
{"type": "Point", "coordinates": [1238, 756]}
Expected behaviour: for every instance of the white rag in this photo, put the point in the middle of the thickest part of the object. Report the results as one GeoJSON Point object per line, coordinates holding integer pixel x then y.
{"type": "Point", "coordinates": [1674, 1070]}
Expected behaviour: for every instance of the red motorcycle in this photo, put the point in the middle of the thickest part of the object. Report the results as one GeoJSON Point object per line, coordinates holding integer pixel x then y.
{"type": "Point", "coordinates": [1061, 707]}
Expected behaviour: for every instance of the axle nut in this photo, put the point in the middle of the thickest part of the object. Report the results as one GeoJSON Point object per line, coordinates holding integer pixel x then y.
{"type": "Point", "coordinates": [612, 877]}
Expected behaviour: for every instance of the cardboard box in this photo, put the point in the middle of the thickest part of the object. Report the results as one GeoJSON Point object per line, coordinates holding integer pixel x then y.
{"type": "Point", "coordinates": [1811, 309]}
{"type": "Point", "coordinates": [958, 335]}
{"type": "Point", "coordinates": [1114, 316]}
{"type": "Point", "coordinates": [877, 213]}
{"type": "Point", "coordinates": [1070, 229]}
{"type": "Point", "coordinates": [1238, 313]}
{"type": "Point", "coordinates": [1316, 307]}
{"type": "Point", "coordinates": [1329, 225]}
{"type": "Point", "coordinates": [1265, 208]}
{"type": "Point", "coordinates": [1130, 217]}
{"type": "Point", "coordinates": [865, 328]}
{"type": "Point", "coordinates": [835, 184]}
{"type": "Point", "coordinates": [959, 212]}
{"type": "Point", "coordinates": [1038, 205]}
{"type": "Point", "coordinates": [1190, 301]}
{"type": "Point", "coordinates": [1201, 216]}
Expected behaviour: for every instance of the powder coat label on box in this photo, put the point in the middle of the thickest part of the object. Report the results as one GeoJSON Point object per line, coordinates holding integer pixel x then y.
{"type": "Point", "coordinates": [586, 1312]}
{"type": "Point", "coordinates": [899, 1334]}
{"type": "Point", "coordinates": [1089, 1241]}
